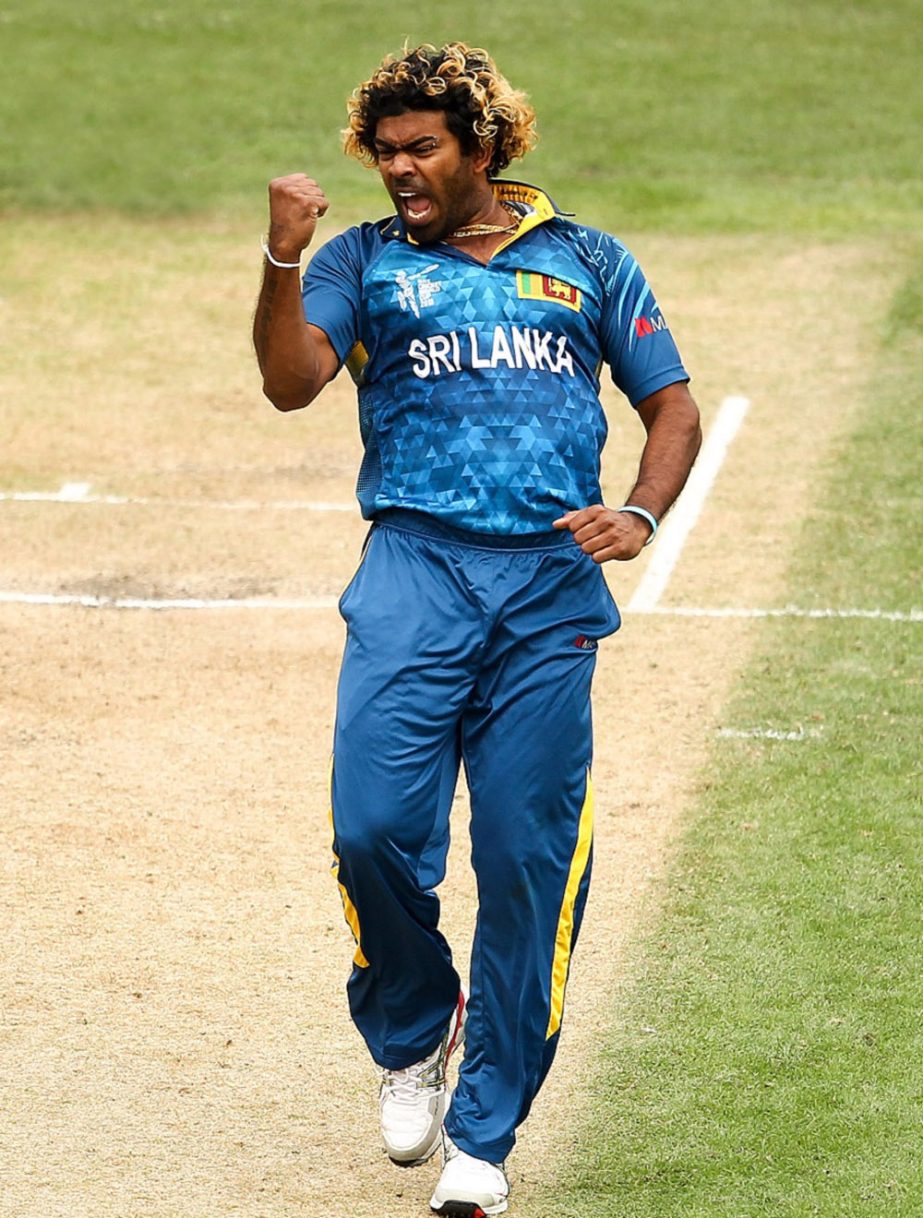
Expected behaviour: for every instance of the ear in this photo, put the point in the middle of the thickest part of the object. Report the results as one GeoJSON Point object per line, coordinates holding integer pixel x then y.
{"type": "Point", "coordinates": [480, 162]}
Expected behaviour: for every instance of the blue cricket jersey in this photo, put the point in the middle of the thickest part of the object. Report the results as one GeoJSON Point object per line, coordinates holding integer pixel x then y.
{"type": "Point", "coordinates": [479, 384]}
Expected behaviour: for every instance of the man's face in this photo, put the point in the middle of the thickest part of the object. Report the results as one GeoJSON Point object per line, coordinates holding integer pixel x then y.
{"type": "Point", "coordinates": [434, 185]}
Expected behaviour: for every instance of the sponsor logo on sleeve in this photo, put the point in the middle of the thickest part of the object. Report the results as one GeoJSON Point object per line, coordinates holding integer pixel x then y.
{"type": "Point", "coordinates": [649, 325]}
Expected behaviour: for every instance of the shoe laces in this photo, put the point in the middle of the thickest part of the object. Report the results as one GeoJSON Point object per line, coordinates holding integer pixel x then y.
{"type": "Point", "coordinates": [404, 1086]}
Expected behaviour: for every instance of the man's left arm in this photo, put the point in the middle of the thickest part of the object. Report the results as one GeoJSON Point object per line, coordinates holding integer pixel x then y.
{"type": "Point", "coordinates": [671, 419]}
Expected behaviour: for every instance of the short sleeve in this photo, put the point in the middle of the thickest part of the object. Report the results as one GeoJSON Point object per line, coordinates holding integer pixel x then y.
{"type": "Point", "coordinates": [637, 343]}
{"type": "Point", "coordinates": [331, 291]}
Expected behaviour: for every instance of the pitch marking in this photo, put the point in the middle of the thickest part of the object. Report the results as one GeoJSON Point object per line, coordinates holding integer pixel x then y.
{"type": "Point", "coordinates": [73, 492]}
{"type": "Point", "coordinates": [76, 492]}
{"type": "Point", "coordinates": [887, 615]}
{"type": "Point", "coordinates": [91, 601]}
{"type": "Point", "coordinates": [680, 523]}
{"type": "Point", "coordinates": [767, 733]}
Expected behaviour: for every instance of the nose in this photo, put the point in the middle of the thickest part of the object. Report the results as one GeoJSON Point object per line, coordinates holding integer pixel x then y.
{"type": "Point", "coordinates": [402, 165]}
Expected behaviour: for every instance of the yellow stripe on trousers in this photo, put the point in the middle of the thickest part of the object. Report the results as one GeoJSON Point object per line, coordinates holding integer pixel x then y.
{"type": "Point", "coordinates": [352, 916]}
{"type": "Point", "coordinates": [564, 938]}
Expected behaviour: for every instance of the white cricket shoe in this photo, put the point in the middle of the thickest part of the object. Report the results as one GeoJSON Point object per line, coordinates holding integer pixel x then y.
{"type": "Point", "coordinates": [413, 1100]}
{"type": "Point", "coordinates": [468, 1187]}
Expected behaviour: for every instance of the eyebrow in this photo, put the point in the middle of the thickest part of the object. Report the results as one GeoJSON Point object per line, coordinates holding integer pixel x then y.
{"type": "Point", "coordinates": [386, 146]}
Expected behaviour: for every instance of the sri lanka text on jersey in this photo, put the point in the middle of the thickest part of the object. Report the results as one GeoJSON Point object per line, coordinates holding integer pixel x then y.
{"type": "Point", "coordinates": [511, 346]}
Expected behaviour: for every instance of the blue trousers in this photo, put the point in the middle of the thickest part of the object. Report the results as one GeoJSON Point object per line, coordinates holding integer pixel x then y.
{"type": "Point", "coordinates": [466, 648]}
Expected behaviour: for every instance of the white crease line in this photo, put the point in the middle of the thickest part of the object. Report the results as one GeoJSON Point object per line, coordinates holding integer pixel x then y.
{"type": "Point", "coordinates": [90, 601]}
{"type": "Point", "coordinates": [241, 505]}
{"type": "Point", "coordinates": [680, 523]}
{"type": "Point", "coordinates": [767, 733]}
{"type": "Point", "coordinates": [74, 492]}
{"type": "Point", "coordinates": [887, 615]}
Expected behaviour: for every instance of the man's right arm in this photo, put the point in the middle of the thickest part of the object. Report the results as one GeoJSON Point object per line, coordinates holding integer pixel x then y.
{"type": "Point", "coordinates": [296, 359]}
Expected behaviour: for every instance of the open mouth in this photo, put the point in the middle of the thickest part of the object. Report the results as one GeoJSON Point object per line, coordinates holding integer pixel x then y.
{"type": "Point", "coordinates": [417, 208]}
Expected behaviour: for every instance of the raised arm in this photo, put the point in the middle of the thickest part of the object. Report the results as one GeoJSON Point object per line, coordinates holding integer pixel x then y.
{"type": "Point", "coordinates": [671, 419]}
{"type": "Point", "coordinates": [295, 358]}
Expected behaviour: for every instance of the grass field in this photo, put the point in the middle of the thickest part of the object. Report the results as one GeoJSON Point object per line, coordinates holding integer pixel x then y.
{"type": "Point", "coordinates": [771, 1058]}
{"type": "Point", "coordinates": [674, 116]}
{"type": "Point", "coordinates": [745, 1014]}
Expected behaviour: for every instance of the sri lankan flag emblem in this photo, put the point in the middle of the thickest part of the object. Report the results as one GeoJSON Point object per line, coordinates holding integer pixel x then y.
{"type": "Point", "coordinates": [532, 286]}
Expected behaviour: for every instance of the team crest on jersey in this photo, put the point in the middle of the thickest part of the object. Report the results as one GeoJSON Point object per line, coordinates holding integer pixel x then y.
{"type": "Point", "coordinates": [532, 286]}
{"type": "Point", "coordinates": [416, 292]}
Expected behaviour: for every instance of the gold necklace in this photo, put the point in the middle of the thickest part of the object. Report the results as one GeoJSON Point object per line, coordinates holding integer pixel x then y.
{"type": "Point", "coordinates": [483, 230]}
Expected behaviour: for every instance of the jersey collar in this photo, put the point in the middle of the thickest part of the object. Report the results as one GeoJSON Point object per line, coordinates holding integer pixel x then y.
{"type": "Point", "coordinates": [540, 209]}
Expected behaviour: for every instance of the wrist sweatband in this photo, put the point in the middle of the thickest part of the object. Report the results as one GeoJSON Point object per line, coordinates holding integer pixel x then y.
{"type": "Point", "coordinates": [285, 266]}
{"type": "Point", "coordinates": [645, 515]}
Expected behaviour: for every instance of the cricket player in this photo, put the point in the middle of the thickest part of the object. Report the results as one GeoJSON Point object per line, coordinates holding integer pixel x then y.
{"type": "Point", "coordinates": [474, 321]}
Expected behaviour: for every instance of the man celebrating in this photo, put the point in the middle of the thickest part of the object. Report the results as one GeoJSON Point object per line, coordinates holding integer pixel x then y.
{"type": "Point", "coordinates": [474, 322]}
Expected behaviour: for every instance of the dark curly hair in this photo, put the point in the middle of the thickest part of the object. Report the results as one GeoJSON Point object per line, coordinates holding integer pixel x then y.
{"type": "Point", "coordinates": [482, 109]}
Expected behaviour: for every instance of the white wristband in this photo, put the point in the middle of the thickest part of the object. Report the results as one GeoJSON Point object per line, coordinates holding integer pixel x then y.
{"type": "Point", "coordinates": [645, 515]}
{"type": "Point", "coordinates": [285, 266]}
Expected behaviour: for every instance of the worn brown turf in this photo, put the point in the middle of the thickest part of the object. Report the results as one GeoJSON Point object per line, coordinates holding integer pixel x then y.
{"type": "Point", "coordinates": [175, 1040]}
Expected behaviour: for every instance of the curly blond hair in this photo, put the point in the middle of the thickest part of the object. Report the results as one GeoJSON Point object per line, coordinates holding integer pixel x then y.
{"type": "Point", "coordinates": [481, 107]}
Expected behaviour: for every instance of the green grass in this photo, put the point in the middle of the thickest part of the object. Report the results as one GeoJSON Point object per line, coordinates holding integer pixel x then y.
{"type": "Point", "coordinates": [769, 1058]}
{"type": "Point", "coordinates": [783, 1075]}
{"type": "Point", "coordinates": [684, 116]}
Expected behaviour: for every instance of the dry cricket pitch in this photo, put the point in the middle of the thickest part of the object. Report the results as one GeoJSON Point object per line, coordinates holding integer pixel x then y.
{"type": "Point", "coordinates": [174, 1039]}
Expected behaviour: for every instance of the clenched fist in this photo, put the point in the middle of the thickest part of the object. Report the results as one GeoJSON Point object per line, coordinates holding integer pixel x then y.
{"type": "Point", "coordinates": [296, 203]}
{"type": "Point", "coordinates": [606, 533]}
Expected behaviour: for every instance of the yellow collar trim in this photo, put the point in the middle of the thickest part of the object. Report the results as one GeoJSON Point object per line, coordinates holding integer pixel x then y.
{"type": "Point", "coordinates": [508, 191]}
{"type": "Point", "coordinates": [542, 211]}
{"type": "Point", "coordinates": [521, 192]}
